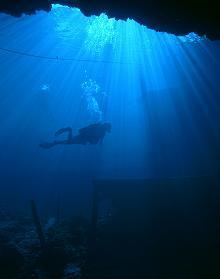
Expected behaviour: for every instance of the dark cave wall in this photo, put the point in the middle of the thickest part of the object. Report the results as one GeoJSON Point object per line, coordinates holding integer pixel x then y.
{"type": "Point", "coordinates": [177, 17]}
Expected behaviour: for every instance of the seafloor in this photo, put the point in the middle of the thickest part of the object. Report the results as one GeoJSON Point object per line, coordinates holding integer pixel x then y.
{"type": "Point", "coordinates": [22, 256]}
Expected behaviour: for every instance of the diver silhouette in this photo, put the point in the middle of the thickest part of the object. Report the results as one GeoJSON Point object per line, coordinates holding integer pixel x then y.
{"type": "Point", "coordinates": [92, 134]}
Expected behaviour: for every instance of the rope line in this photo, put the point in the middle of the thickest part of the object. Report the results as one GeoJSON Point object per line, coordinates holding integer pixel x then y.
{"type": "Point", "coordinates": [57, 58]}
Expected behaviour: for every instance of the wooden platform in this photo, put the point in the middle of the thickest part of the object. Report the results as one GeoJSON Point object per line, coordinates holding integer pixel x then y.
{"type": "Point", "coordinates": [167, 228]}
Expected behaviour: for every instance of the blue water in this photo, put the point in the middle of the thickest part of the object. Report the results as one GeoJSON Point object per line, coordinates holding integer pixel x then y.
{"type": "Point", "coordinates": [160, 92]}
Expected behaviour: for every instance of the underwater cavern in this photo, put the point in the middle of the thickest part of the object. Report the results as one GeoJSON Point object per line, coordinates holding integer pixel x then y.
{"type": "Point", "coordinates": [110, 139]}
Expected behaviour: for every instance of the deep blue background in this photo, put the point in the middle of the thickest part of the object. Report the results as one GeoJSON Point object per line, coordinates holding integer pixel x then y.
{"type": "Point", "coordinates": [161, 95]}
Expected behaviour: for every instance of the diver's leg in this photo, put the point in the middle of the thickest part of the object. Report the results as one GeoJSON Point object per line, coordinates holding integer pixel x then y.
{"type": "Point", "coordinates": [47, 145]}
{"type": "Point", "coordinates": [63, 130]}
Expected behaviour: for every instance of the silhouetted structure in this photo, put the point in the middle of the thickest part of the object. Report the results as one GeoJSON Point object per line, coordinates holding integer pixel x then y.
{"type": "Point", "coordinates": [162, 228]}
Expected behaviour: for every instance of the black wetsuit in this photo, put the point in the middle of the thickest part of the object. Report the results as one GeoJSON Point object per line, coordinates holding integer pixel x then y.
{"type": "Point", "coordinates": [92, 134]}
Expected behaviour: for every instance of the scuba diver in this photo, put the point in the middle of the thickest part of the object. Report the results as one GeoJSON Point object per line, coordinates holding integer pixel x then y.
{"type": "Point", "coordinates": [92, 134]}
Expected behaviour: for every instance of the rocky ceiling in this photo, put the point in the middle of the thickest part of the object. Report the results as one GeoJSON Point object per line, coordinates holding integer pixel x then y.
{"type": "Point", "coordinates": [173, 16]}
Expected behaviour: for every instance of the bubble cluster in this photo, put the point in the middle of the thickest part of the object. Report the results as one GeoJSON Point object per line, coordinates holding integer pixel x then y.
{"type": "Point", "coordinates": [64, 19]}
{"type": "Point", "coordinates": [100, 31]}
{"type": "Point", "coordinates": [192, 38]}
{"type": "Point", "coordinates": [90, 90]}
{"type": "Point", "coordinates": [90, 87]}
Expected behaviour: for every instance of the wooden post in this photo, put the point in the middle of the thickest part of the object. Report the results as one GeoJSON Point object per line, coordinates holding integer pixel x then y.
{"type": "Point", "coordinates": [94, 212]}
{"type": "Point", "coordinates": [92, 232]}
{"type": "Point", "coordinates": [37, 224]}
